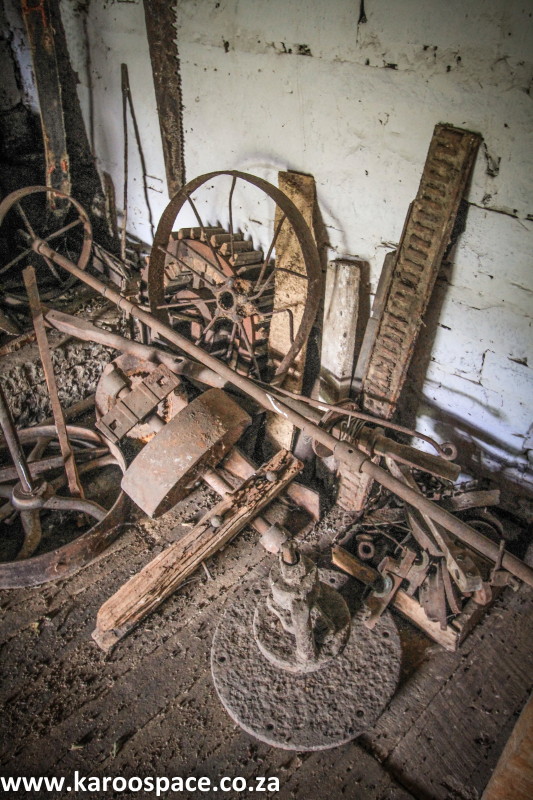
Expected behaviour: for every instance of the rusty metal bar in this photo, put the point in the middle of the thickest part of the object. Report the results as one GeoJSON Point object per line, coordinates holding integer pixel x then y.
{"type": "Point", "coordinates": [82, 329]}
{"type": "Point", "coordinates": [355, 459]}
{"type": "Point", "coordinates": [13, 443]}
{"type": "Point", "coordinates": [30, 282]}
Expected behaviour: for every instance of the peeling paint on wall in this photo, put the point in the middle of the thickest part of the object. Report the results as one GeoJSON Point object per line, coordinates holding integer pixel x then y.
{"type": "Point", "coordinates": [350, 93]}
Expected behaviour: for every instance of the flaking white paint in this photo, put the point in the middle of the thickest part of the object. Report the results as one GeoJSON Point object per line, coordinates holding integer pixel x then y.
{"type": "Point", "coordinates": [305, 85]}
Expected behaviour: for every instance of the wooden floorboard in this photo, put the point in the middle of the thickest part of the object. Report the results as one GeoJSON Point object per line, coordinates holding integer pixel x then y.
{"type": "Point", "coordinates": [149, 706]}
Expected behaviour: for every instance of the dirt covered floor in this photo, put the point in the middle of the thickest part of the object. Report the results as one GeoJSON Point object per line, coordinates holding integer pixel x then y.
{"type": "Point", "coordinates": [148, 708]}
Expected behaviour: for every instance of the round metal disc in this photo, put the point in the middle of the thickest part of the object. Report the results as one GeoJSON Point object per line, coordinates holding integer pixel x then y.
{"type": "Point", "coordinates": [312, 711]}
{"type": "Point", "coordinates": [199, 436]}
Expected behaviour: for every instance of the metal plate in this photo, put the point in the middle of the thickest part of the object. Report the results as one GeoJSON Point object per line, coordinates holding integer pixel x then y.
{"type": "Point", "coordinates": [137, 370]}
{"type": "Point", "coordinates": [197, 437]}
{"type": "Point", "coordinates": [313, 711]}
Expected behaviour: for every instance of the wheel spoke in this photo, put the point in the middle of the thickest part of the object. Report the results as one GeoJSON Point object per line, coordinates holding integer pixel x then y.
{"type": "Point", "coordinates": [206, 239]}
{"type": "Point", "coordinates": [231, 341]}
{"type": "Point", "coordinates": [51, 266]}
{"type": "Point", "coordinates": [206, 330]}
{"type": "Point", "coordinates": [291, 320]}
{"type": "Point", "coordinates": [249, 348]}
{"type": "Point", "coordinates": [269, 281]}
{"type": "Point", "coordinates": [230, 210]}
{"type": "Point", "coordinates": [269, 252]}
{"type": "Point", "coordinates": [16, 260]}
{"type": "Point", "coordinates": [25, 220]}
{"type": "Point", "coordinates": [183, 304]}
{"type": "Point", "coordinates": [64, 229]}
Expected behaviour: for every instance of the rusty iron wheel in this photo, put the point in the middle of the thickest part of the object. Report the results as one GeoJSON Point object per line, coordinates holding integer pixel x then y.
{"type": "Point", "coordinates": [208, 281]}
{"type": "Point", "coordinates": [30, 567]}
{"type": "Point", "coordinates": [53, 216]}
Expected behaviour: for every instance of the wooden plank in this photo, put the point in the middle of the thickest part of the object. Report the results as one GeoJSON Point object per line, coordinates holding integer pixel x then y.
{"type": "Point", "coordinates": [443, 739]}
{"type": "Point", "coordinates": [513, 776]}
{"type": "Point", "coordinates": [372, 326]}
{"type": "Point", "coordinates": [339, 327]}
{"type": "Point", "coordinates": [41, 36]}
{"type": "Point", "coordinates": [242, 467]}
{"type": "Point", "coordinates": [290, 293]}
{"type": "Point", "coordinates": [160, 16]}
{"type": "Point", "coordinates": [161, 577]}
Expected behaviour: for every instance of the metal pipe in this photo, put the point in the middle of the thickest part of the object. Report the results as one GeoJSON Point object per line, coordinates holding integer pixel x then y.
{"type": "Point", "coordinates": [82, 329]}
{"type": "Point", "coordinates": [344, 451]}
{"type": "Point", "coordinates": [12, 440]}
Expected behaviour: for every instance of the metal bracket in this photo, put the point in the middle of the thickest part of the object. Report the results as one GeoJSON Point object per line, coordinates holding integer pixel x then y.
{"type": "Point", "coordinates": [138, 404]}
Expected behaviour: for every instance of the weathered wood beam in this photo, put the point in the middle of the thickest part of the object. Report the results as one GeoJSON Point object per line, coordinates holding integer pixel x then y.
{"type": "Point", "coordinates": [290, 293]}
{"type": "Point", "coordinates": [146, 590]}
{"type": "Point", "coordinates": [339, 327]}
{"type": "Point", "coordinates": [41, 37]}
{"type": "Point", "coordinates": [160, 18]}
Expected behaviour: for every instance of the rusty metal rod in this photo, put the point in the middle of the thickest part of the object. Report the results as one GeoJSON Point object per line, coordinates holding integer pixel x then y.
{"type": "Point", "coordinates": [13, 443]}
{"type": "Point", "coordinates": [344, 451]}
{"type": "Point", "coordinates": [30, 281]}
{"type": "Point", "coordinates": [82, 329]}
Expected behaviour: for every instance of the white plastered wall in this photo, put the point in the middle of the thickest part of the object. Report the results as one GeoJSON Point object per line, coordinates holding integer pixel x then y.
{"type": "Point", "coordinates": [308, 85]}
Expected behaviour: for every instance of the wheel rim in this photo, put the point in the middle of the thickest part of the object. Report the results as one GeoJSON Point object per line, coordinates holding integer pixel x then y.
{"type": "Point", "coordinates": [231, 289]}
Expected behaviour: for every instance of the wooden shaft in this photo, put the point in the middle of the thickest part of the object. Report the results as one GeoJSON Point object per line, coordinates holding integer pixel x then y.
{"type": "Point", "coordinates": [221, 486]}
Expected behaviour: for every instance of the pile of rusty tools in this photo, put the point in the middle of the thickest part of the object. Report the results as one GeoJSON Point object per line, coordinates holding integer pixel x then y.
{"type": "Point", "coordinates": [186, 395]}
{"type": "Point", "coordinates": [354, 456]}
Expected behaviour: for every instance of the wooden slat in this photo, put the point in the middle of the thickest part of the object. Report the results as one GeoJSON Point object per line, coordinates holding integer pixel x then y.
{"type": "Point", "coordinates": [513, 776]}
{"type": "Point", "coordinates": [161, 577]}
{"type": "Point", "coordinates": [41, 36]}
{"type": "Point", "coordinates": [160, 17]}
{"type": "Point", "coordinates": [290, 292]}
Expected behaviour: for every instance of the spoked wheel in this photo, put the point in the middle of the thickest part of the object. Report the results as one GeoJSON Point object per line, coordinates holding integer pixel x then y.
{"type": "Point", "coordinates": [216, 285]}
{"type": "Point", "coordinates": [48, 534]}
{"type": "Point", "coordinates": [27, 214]}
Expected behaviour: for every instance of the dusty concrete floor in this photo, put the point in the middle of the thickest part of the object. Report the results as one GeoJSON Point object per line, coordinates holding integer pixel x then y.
{"type": "Point", "coordinates": [149, 707]}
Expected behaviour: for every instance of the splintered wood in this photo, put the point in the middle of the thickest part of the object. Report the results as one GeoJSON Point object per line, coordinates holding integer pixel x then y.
{"type": "Point", "coordinates": [161, 577]}
{"type": "Point", "coordinates": [425, 238]}
{"type": "Point", "coordinates": [290, 294]}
